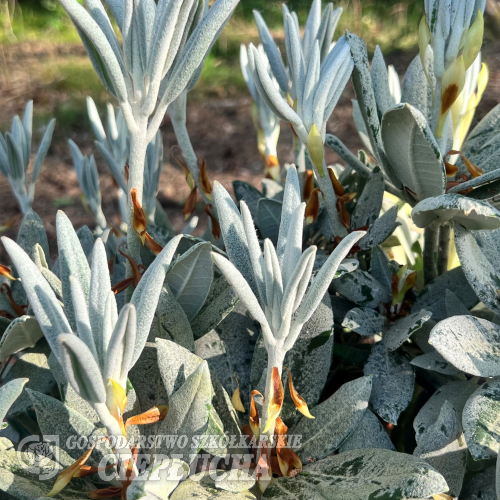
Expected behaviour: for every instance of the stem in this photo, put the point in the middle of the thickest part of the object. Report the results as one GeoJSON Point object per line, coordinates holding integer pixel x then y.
{"type": "Point", "coordinates": [330, 199]}
{"type": "Point", "coordinates": [275, 357]}
{"type": "Point", "coordinates": [430, 248]}
{"type": "Point", "coordinates": [299, 152]}
{"type": "Point", "coordinates": [443, 248]}
{"type": "Point", "coordinates": [138, 147]}
{"type": "Point", "coordinates": [177, 112]}
{"type": "Point", "coordinates": [123, 453]}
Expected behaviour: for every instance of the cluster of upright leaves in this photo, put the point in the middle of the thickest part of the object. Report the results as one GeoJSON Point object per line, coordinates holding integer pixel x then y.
{"type": "Point", "coordinates": [15, 156]}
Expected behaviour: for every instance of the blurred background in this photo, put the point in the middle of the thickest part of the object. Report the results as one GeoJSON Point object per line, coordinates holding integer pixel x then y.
{"type": "Point", "coordinates": [42, 58]}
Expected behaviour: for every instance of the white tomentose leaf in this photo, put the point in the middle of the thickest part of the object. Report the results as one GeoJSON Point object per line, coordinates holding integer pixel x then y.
{"type": "Point", "coordinates": [469, 344]}
{"type": "Point", "coordinates": [413, 152]}
{"type": "Point", "coordinates": [443, 447]}
{"type": "Point", "coordinates": [190, 278]}
{"type": "Point", "coordinates": [361, 475]}
{"type": "Point", "coordinates": [393, 382]}
{"type": "Point", "coordinates": [146, 295]}
{"type": "Point", "coordinates": [478, 256]}
{"type": "Point", "coordinates": [364, 321]}
{"type": "Point", "coordinates": [480, 421]}
{"type": "Point", "coordinates": [404, 328]}
{"type": "Point", "coordinates": [335, 419]}
{"type": "Point", "coordinates": [469, 213]}
{"type": "Point", "coordinates": [8, 394]}
{"type": "Point", "coordinates": [42, 299]}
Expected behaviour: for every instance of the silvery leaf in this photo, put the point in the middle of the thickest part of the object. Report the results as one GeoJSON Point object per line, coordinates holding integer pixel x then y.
{"type": "Point", "coordinates": [484, 179]}
{"type": "Point", "coordinates": [9, 392]}
{"type": "Point", "coordinates": [379, 267]}
{"type": "Point", "coordinates": [380, 80]}
{"type": "Point", "coordinates": [291, 201]}
{"type": "Point", "coordinates": [233, 234]}
{"type": "Point", "coordinates": [65, 425]}
{"type": "Point", "coordinates": [471, 214]}
{"type": "Point", "coordinates": [413, 152]}
{"type": "Point", "coordinates": [32, 232]}
{"type": "Point", "coordinates": [47, 310]}
{"type": "Point", "coordinates": [368, 434]}
{"type": "Point", "coordinates": [369, 203]}
{"type": "Point", "coordinates": [188, 414]}
{"type": "Point", "coordinates": [72, 261]}
{"type": "Point", "coordinates": [42, 152]}
{"type": "Point", "coordinates": [393, 382]}
{"type": "Point", "coordinates": [469, 344]}
{"type": "Point", "coordinates": [100, 287]}
{"type": "Point", "coordinates": [415, 89]}
{"type": "Point", "coordinates": [481, 486]}
{"type": "Point", "coordinates": [380, 230]}
{"type": "Point", "coordinates": [361, 288]}
{"type": "Point", "coordinates": [171, 322]}
{"type": "Point", "coordinates": [457, 393]}
{"type": "Point", "coordinates": [322, 280]}
{"type": "Point", "coordinates": [243, 191]}
{"type": "Point", "coordinates": [190, 278]}
{"type": "Point", "coordinates": [434, 362]}
{"type": "Point", "coordinates": [364, 321]}
{"type": "Point", "coordinates": [86, 25]}
{"type": "Point", "coordinates": [335, 419]}
{"type": "Point", "coordinates": [219, 303]}
{"type": "Point", "coordinates": [432, 296]}
{"type": "Point", "coordinates": [269, 217]}
{"type": "Point", "coordinates": [404, 329]}
{"type": "Point", "coordinates": [360, 475]}
{"type": "Point", "coordinates": [241, 287]}
{"type": "Point", "coordinates": [81, 369]}
{"type": "Point", "coordinates": [197, 46]}
{"type": "Point", "coordinates": [443, 447]}
{"type": "Point", "coordinates": [146, 295]}
{"type": "Point", "coordinates": [481, 146]}
{"type": "Point", "coordinates": [21, 333]}
{"type": "Point", "coordinates": [478, 256]}
{"type": "Point", "coordinates": [480, 421]}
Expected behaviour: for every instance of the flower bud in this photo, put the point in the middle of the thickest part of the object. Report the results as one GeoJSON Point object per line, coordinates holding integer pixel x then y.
{"type": "Point", "coordinates": [316, 149]}
{"type": "Point", "coordinates": [452, 84]}
{"type": "Point", "coordinates": [473, 40]}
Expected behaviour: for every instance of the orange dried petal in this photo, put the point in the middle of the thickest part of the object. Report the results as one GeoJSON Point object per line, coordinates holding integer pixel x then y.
{"type": "Point", "coordinates": [276, 399]}
{"type": "Point", "coordinates": [308, 178]}
{"type": "Point", "coordinates": [151, 416]}
{"type": "Point", "coordinates": [215, 223]}
{"type": "Point", "coordinates": [205, 183]}
{"type": "Point", "coordinates": [66, 475]}
{"type": "Point", "coordinates": [299, 401]}
{"type": "Point", "coordinates": [190, 204]}
{"type": "Point", "coordinates": [6, 272]}
{"type": "Point", "coordinates": [152, 245]}
{"type": "Point", "coordinates": [337, 187]}
{"type": "Point", "coordinates": [139, 220]}
{"type": "Point", "coordinates": [312, 208]}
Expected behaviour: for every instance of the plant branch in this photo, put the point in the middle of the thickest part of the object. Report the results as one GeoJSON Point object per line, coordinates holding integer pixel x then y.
{"type": "Point", "coordinates": [431, 235]}
{"type": "Point", "coordinates": [443, 248]}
